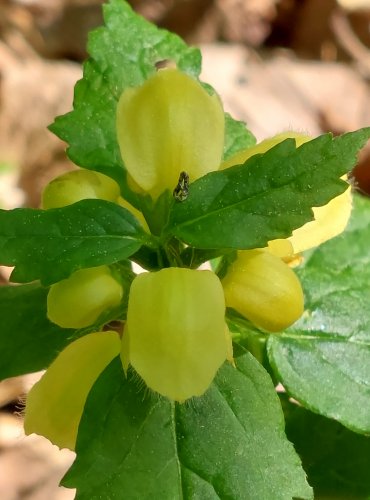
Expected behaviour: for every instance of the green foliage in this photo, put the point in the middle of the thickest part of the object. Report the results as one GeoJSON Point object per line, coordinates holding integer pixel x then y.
{"type": "Point", "coordinates": [267, 197]}
{"type": "Point", "coordinates": [237, 137]}
{"type": "Point", "coordinates": [324, 359]}
{"type": "Point", "coordinates": [28, 340]}
{"type": "Point", "coordinates": [212, 447]}
{"type": "Point", "coordinates": [337, 460]}
{"type": "Point", "coordinates": [50, 244]}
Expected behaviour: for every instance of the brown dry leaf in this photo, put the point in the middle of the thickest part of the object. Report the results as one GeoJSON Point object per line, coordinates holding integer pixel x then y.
{"type": "Point", "coordinates": [287, 94]}
{"type": "Point", "coordinates": [31, 467]}
{"type": "Point", "coordinates": [32, 93]}
{"type": "Point", "coordinates": [351, 5]}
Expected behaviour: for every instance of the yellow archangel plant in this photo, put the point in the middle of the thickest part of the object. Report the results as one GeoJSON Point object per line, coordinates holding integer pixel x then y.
{"type": "Point", "coordinates": [175, 336]}
{"type": "Point", "coordinates": [171, 125]}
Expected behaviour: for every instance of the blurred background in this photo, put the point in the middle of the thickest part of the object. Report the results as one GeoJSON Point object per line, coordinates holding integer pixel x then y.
{"type": "Point", "coordinates": [278, 65]}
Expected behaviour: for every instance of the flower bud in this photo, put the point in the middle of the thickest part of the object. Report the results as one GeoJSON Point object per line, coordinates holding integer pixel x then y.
{"type": "Point", "coordinates": [264, 289]}
{"type": "Point", "coordinates": [168, 125]}
{"type": "Point", "coordinates": [55, 404]}
{"type": "Point", "coordinates": [175, 335]}
{"type": "Point", "coordinates": [79, 185]}
{"type": "Point", "coordinates": [79, 300]}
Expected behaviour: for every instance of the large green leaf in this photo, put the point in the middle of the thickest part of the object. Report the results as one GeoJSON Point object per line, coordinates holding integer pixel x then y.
{"type": "Point", "coordinates": [336, 460]}
{"type": "Point", "coordinates": [50, 244]}
{"type": "Point", "coordinates": [267, 197]}
{"type": "Point", "coordinates": [229, 444]}
{"type": "Point", "coordinates": [28, 341]}
{"type": "Point", "coordinates": [324, 359]}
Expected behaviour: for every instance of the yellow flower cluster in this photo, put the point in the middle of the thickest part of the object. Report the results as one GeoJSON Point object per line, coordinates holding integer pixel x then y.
{"type": "Point", "coordinates": [175, 336]}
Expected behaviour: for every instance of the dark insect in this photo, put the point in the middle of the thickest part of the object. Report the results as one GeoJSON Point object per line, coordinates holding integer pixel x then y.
{"type": "Point", "coordinates": [181, 191]}
{"type": "Point", "coordinates": [165, 63]}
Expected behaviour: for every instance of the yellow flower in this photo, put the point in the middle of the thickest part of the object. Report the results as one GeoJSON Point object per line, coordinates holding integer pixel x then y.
{"type": "Point", "coordinates": [261, 287]}
{"type": "Point", "coordinates": [176, 337]}
{"type": "Point", "coordinates": [242, 156]}
{"type": "Point", "coordinates": [79, 185]}
{"type": "Point", "coordinates": [168, 125]}
{"type": "Point", "coordinates": [82, 184]}
{"type": "Point", "coordinates": [79, 300]}
{"type": "Point", "coordinates": [55, 404]}
{"type": "Point", "coordinates": [330, 220]}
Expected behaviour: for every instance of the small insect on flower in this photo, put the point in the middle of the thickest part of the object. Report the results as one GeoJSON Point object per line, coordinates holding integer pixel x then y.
{"type": "Point", "coordinates": [181, 191]}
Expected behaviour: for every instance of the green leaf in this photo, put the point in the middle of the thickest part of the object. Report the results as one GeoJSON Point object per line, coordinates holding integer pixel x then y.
{"type": "Point", "coordinates": [237, 137]}
{"type": "Point", "coordinates": [324, 359]}
{"type": "Point", "coordinates": [336, 460]}
{"type": "Point", "coordinates": [123, 54]}
{"type": "Point", "coordinates": [267, 197]}
{"type": "Point", "coordinates": [28, 340]}
{"type": "Point", "coordinates": [50, 244]}
{"type": "Point", "coordinates": [228, 444]}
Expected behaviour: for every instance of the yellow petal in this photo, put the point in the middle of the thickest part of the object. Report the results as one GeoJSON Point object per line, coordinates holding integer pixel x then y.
{"type": "Point", "coordinates": [55, 404]}
{"type": "Point", "coordinates": [79, 300]}
{"type": "Point", "coordinates": [264, 289]}
{"type": "Point", "coordinates": [168, 125]}
{"type": "Point", "coordinates": [242, 156]}
{"type": "Point", "coordinates": [175, 336]}
{"type": "Point", "coordinates": [330, 220]}
{"type": "Point", "coordinates": [281, 248]}
{"type": "Point", "coordinates": [79, 185]}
